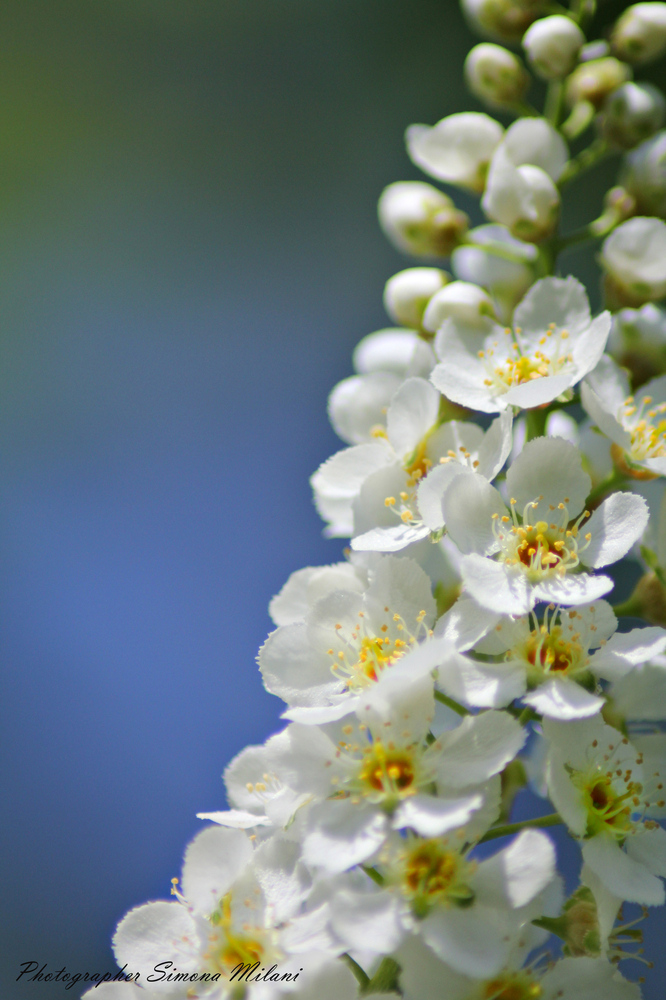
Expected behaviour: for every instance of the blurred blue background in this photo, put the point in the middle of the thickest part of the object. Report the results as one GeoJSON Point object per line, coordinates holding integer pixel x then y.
{"type": "Point", "coordinates": [188, 253]}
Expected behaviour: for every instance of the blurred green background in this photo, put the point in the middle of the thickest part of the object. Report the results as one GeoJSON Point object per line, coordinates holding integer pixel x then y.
{"type": "Point", "coordinates": [188, 253]}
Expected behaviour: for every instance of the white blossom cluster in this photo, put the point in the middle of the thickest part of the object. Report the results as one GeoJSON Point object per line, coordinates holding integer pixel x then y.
{"type": "Point", "coordinates": [503, 447]}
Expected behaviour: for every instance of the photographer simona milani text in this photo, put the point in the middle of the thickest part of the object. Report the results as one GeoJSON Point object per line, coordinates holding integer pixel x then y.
{"type": "Point", "coordinates": [248, 972]}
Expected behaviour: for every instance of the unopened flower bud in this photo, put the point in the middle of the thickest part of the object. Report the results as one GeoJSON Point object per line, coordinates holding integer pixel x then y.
{"type": "Point", "coordinates": [495, 75]}
{"type": "Point", "coordinates": [421, 220]}
{"type": "Point", "coordinates": [632, 113]}
{"type": "Point", "coordinates": [640, 33]}
{"type": "Point", "coordinates": [634, 259]}
{"type": "Point", "coordinates": [407, 294]}
{"type": "Point", "coordinates": [503, 265]}
{"type": "Point", "coordinates": [644, 176]}
{"type": "Point", "coordinates": [592, 82]}
{"type": "Point", "coordinates": [460, 300]}
{"type": "Point", "coordinates": [552, 46]}
{"type": "Point", "coordinates": [505, 20]}
{"type": "Point", "coordinates": [578, 926]}
{"type": "Point", "coordinates": [523, 198]}
{"type": "Point", "coordinates": [457, 149]}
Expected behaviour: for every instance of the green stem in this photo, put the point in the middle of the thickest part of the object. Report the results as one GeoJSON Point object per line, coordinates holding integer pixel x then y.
{"type": "Point", "coordinates": [554, 102]}
{"type": "Point", "coordinates": [373, 874]}
{"type": "Point", "coordinates": [526, 716]}
{"type": "Point", "coordinates": [616, 480]}
{"type": "Point", "coordinates": [586, 159]}
{"type": "Point", "coordinates": [450, 703]}
{"type": "Point", "coordinates": [361, 977]}
{"type": "Point", "coordinates": [553, 819]}
{"type": "Point", "coordinates": [385, 979]}
{"type": "Point", "coordinates": [536, 422]}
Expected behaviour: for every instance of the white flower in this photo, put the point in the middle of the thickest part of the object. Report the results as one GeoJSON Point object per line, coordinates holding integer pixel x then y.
{"type": "Point", "coordinates": [641, 695]}
{"type": "Point", "coordinates": [634, 258]}
{"type": "Point", "coordinates": [559, 659]}
{"type": "Point", "coordinates": [493, 258]}
{"type": "Point", "coordinates": [231, 903]}
{"type": "Point", "coordinates": [377, 492]}
{"type": "Point", "coordinates": [457, 149]}
{"type": "Point", "coordinates": [407, 293]}
{"type": "Point", "coordinates": [640, 32]}
{"type": "Point", "coordinates": [495, 75]}
{"type": "Point", "coordinates": [533, 550]}
{"type": "Point", "coordinates": [358, 405]}
{"type": "Point", "coordinates": [349, 638]}
{"type": "Point", "coordinates": [552, 45]}
{"type": "Point", "coordinates": [420, 220]}
{"type": "Point", "coordinates": [467, 913]}
{"type": "Point", "coordinates": [371, 776]}
{"type": "Point", "coordinates": [553, 344]}
{"type": "Point", "coordinates": [599, 784]}
{"type": "Point", "coordinates": [635, 424]}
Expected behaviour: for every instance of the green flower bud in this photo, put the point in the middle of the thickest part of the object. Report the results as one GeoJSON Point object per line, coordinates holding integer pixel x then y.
{"type": "Point", "coordinates": [644, 176]}
{"type": "Point", "coordinates": [419, 219]}
{"type": "Point", "coordinates": [640, 33]}
{"type": "Point", "coordinates": [592, 82]}
{"type": "Point", "coordinates": [495, 75]}
{"type": "Point", "coordinates": [505, 20]}
{"type": "Point", "coordinates": [632, 113]}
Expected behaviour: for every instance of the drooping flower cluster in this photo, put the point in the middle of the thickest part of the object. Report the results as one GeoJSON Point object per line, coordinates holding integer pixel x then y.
{"type": "Point", "coordinates": [502, 446]}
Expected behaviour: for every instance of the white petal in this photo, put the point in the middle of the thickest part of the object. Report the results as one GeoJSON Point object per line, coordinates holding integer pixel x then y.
{"type": "Point", "coordinates": [482, 745]}
{"type": "Point", "coordinates": [497, 587]}
{"type": "Point", "coordinates": [339, 479]}
{"type": "Point", "coordinates": [431, 490]}
{"type": "Point", "coordinates": [535, 141]}
{"type": "Point", "coordinates": [482, 685]}
{"type": "Point", "coordinates": [238, 819]}
{"type": "Point", "coordinates": [392, 539]}
{"type": "Point", "coordinates": [455, 149]}
{"type": "Point", "coordinates": [412, 413]}
{"type": "Point", "coordinates": [615, 526]}
{"type": "Point", "coordinates": [562, 301]}
{"type": "Point", "coordinates": [572, 589]}
{"type": "Point", "coordinates": [359, 403]}
{"type": "Point", "coordinates": [515, 875]}
{"type": "Point", "coordinates": [389, 350]}
{"type": "Point", "coordinates": [589, 348]}
{"type": "Point", "coordinates": [157, 932]}
{"type": "Point", "coordinates": [213, 861]}
{"type": "Point", "coordinates": [471, 941]}
{"type": "Point", "coordinates": [625, 650]}
{"type": "Point", "coordinates": [465, 623]}
{"type": "Point", "coordinates": [342, 835]}
{"type": "Point", "coordinates": [649, 848]}
{"type": "Point", "coordinates": [584, 978]}
{"type": "Point", "coordinates": [562, 698]}
{"type": "Point", "coordinates": [496, 445]}
{"type": "Point", "coordinates": [308, 585]}
{"type": "Point", "coordinates": [367, 920]}
{"type": "Point", "coordinates": [538, 391]}
{"type": "Point", "coordinates": [403, 587]}
{"type": "Point", "coordinates": [625, 877]}
{"type": "Point", "coordinates": [295, 670]}
{"type": "Point", "coordinates": [550, 468]}
{"type": "Point", "coordinates": [284, 879]}
{"type": "Point", "coordinates": [469, 505]}
{"type": "Point", "coordinates": [431, 817]}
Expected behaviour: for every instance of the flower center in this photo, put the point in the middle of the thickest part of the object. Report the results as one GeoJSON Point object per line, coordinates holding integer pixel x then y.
{"type": "Point", "coordinates": [648, 432]}
{"type": "Point", "coordinates": [516, 366]}
{"type": "Point", "coordinates": [548, 652]}
{"type": "Point", "coordinates": [229, 947]}
{"type": "Point", "coordinates": [435, 874]}
{"type": "Point", "coordinates": [362, 656]}
{"type": "Point", "coordinates": [512, 986]}
{"type": "Point", "coordinates": [389, 771]}
{"type": "Point", "coordinates": [544, 548]}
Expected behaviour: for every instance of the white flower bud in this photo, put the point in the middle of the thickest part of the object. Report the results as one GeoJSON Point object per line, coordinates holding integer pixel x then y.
{"type": "Point", "coordinates": [632, 113]}
{"type": "Point", "coordinates": [552, 46]}
{"type": "Point", "coordinates": [594, 81]}
{"type": "Point", "coordinates": [640, 33]}
{"type": "Point", "coordinates": [457, 149]}
{"type": "Point", "coordinates": [495, 75]}
{"type": "Point", "coordinates": [634, 258]}
{"type": "Point", "coordinates": [524, 199]}
{"type": "Point", "coordinates": [505, 20]}
{"type": "Point", "coordinates": [644, 176]}
{"type": "Point", "coordinates": [461, 300]}
{"type": "Point", "coordinates": [407, 294]}
{"type": "Point", "coordinates": [492, 257]}
{"type": "Point", "coordinates": [420, 220]}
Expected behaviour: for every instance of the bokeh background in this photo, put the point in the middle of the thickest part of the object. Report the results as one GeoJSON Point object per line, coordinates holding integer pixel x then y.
{"type": "Point", "coordinates": [188, 253]}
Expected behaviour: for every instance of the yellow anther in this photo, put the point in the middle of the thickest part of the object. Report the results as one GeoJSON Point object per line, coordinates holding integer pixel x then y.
{"type": "Point", "coordinates": [389, 502]}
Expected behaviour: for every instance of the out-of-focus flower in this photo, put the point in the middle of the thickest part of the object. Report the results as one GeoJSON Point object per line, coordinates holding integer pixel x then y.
{"type": "Point", "coordinates": [639, 34]}
{"type": "Point", "coordinates": [552, 46]}
{"type": "Point", "coordinates": [457, 149]}
{"type": "Point", "coordinates": [634, 259]}
{"type": "Point", "coordinates": [421, 220]}
{"type": "Point", "coordinates": [496, 76]}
